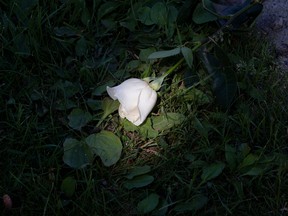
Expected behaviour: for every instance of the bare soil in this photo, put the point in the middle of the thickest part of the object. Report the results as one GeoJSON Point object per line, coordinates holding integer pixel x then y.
{"type": "Point", "coordinates": [273, 24]}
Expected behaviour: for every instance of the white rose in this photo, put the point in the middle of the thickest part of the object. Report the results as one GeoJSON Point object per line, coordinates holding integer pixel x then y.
{"type": "Point", "coordinates": [136, 98]}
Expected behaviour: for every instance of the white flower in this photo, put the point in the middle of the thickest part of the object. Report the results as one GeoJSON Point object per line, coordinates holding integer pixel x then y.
{"type": "Point", "coordinates": [136, 98]}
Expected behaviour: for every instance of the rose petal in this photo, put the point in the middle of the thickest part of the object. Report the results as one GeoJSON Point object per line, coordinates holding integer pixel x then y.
{"type": "Point", "coordinates": [147, 101]}
{"type": "Point", "coordinates": [136, 98]}
{"type": "Point", "coordinates": [127, 93]}
{"type": "Point", "coordinates": [132, 115]}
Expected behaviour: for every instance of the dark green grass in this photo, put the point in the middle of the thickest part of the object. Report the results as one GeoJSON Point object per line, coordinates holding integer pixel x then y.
{"type": "Point", "coordinates": [44, 74]}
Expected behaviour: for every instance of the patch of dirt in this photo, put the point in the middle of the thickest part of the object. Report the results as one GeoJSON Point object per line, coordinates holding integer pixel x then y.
{"type": "Point", "coordinates": [273, 23]}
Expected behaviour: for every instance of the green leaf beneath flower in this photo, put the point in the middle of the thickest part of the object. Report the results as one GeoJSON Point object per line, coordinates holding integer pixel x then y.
{"type": "Point", "coordinates": [145, 130]}
{"type": "Point", "coordinates": [212, 171]}
{"type": "Point", "coordinates": [167, 120]}
{"type": "Point", "coordinates": [109, 106]}
{"type": "Point", "coordinates": [148, 204]}
{"type": "Point", "coordinates": [76, 154]}
{"type": "Point", "coordinates": [136, 171]}
{"type": "Point", "coordinates": [139, 181]}
{"type": "Point", "coordinates": [106, 145]}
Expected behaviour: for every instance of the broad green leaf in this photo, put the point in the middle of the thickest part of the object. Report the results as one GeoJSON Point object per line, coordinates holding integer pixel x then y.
{"type": "Point", "coordinates": [212, 171]}
{"type": "Point", "coordinates": [171, 21]}
{"type": "Point", "coordinates": [255, 171]}
{"type": "Point", "coordinates": [170, 30]}
{"type": "Point", "coordinates": [146, 130]}
{"type": "Point", "coordinates": [161, 209]}
{"type": "Point", "coordinates": [145, 53]}
{"type": "Point", "coordinates": [107, 8]}
{"type": "Point", "coordinates": [188, 55]}
{"type": "Point", "coordinates": [144, 15]}
{"type": "Point", "coordinates": [138, 182]}
{"type": "Point", "coordinates": [94, 104]}
{"type": "Point", "coordinates": [106, 145]}
{"type": "Point", "coordinates": [249, 160]}
{"type": "Point", "coordinates": [231, 156]}
{"type": "Point", "coordinates": [136, 171]}
{"type": "Point", "coordinates": [109, 106]}
{"type": "Point", "coordinates": [68, 186]}
{"type": "Point", "coordinates": [197, 202]}
{"type": "Point", "coordinates": [202, 130]}
{"type": "Point", "coordinates": [132, 65]}
{"type": "Point", "coordinates": [78, 118]}
{"type": "Point", "coordinates": [244, 149]}
{"type": "Point", "coordinates": [172, 14]}
{"type": "Point", "coordinates": [129, 22]}
{"type": "Point", "coordinates": [165, 53]}
{"type": "Point", "coordinates": [200, 15]}
{"type": "Point", "coordinates": [65, 31]}
{"type": "Point", "coordinates": [159, 13]}
{"type": "Point", "coordinates": [128, 126]}
{"type": "Point", "coordinates": [253, 165]}
{"type": "Point", "coordinates": [81, 47]}
{"type": "Point", "coordinates": [148, 204]}
{"type": "Point", "coordinates": [166, 120]}
{"type": "Point", "coordinates": [76, 154]}
{"type": "Point", "coordinates": [197, 164]}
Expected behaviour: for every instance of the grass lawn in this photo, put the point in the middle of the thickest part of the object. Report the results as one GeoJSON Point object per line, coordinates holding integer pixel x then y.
{"type": "Point", "coordinates": [215, 142]}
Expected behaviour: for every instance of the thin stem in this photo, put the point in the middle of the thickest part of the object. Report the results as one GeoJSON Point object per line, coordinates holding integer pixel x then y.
{"type": "Point", "coordinates": [173, 68]}
{"type": "Point", "coordinates": [157, 82]}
